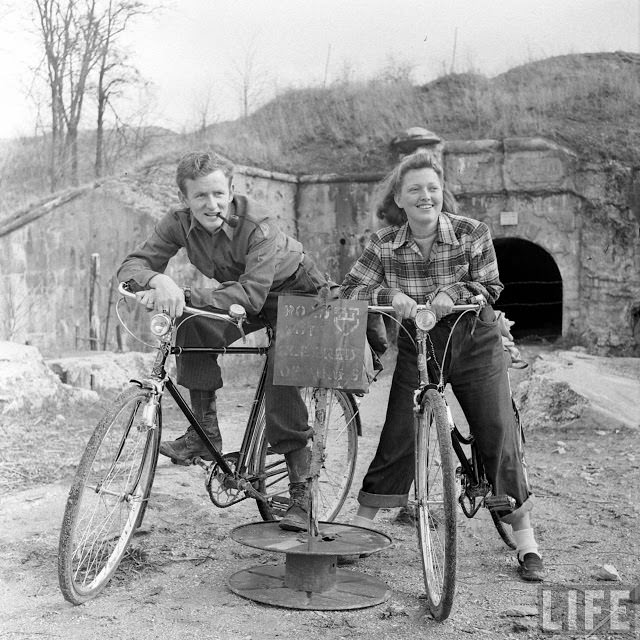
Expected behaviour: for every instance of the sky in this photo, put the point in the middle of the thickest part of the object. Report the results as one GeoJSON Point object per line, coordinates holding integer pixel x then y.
{"type": "Point", "coordinates": [189, 50]}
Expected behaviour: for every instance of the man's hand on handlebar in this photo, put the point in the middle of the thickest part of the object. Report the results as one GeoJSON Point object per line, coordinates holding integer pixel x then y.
{"type": "Point", "coordinates": [165, 296]}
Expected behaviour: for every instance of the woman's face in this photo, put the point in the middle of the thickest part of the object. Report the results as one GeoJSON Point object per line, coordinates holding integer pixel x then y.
{"type": "Point", "coordinates": [420, 196]}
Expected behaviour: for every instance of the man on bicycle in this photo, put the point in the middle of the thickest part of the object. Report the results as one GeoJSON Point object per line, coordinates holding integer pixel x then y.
{"type": "Point", "coordinates": [248, 260]}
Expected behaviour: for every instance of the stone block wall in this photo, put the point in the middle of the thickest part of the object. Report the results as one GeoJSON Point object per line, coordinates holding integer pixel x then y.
{"type": "Point", "coordinates": [585, 216]}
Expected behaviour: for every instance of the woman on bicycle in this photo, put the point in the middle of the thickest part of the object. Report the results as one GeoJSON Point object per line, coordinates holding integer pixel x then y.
{"type": "Point", "coordinates": [428, 254]}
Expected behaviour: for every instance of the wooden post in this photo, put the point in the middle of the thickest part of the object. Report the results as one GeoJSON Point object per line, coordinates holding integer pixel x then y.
{"type": "Point", "coordinates": [94, 318]}
{"type": "Point", "coordinates": [112, 285]}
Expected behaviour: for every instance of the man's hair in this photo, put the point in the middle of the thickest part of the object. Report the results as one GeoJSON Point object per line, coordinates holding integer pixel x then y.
{"type": "Point", "coordinates": [196, 164]}
{"type": "Point", "coordinates": [384, 203]}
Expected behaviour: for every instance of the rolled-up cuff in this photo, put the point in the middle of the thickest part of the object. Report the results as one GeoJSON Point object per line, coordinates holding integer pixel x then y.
{"type": "Point", "coordinates": [382, 501]}
{"type": "Point", "coordinates": [525, 507]}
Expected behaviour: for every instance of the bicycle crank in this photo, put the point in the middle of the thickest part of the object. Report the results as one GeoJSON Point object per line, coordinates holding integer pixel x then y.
{"type": "Point", "coordinates": [225, 489]}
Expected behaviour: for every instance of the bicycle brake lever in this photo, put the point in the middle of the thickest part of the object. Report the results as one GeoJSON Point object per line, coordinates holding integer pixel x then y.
{"type": "Point", "coordinates": [475, 320]}
{"type": "Point", "coordinates": [481, 301]}
{"type": "Point", "coordinates": [241, 330]}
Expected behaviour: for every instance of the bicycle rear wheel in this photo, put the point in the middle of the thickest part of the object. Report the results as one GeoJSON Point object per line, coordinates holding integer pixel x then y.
{"type": "Point", "coordinates": [336, 476]}
{"type": "Point", "coordinates": [436, 503]}
{"type": "Point", "coordinates": [109, 495]}
{"type": "Point", "coordinates": [504, 531]}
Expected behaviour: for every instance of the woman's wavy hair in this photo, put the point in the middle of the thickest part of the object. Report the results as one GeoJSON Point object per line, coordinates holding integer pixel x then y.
{"type": "Point", "coordinates": [385, 206]}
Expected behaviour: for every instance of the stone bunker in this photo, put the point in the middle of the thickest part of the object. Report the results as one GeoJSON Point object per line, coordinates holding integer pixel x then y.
{"type": "Point", "coordinates": [566, 233]}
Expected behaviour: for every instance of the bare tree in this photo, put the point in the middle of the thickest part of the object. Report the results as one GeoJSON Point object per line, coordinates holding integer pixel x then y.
{"type": "Point", "coordinates": [80, 51]}
{"type": "Point", "coordinates": [204, 108]}
{"type": "Point", "coordinates": [250, 79]}
{"type": "Point", "coordinates": [70, 35]}
{"type": "Point", "coordinates": [113, 71]}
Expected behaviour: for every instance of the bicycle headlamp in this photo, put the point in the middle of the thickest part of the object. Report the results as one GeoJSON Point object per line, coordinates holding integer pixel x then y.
{"type": "Point", "coordinates": [426, 319]}
{"type": "Point", "coordinates": [236, 311]}
{"type": "Point", "coordinates": [160, 324]}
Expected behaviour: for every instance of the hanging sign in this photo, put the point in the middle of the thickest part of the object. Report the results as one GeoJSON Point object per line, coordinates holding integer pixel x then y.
{"type": "Point", "coordinates": [320, 343]}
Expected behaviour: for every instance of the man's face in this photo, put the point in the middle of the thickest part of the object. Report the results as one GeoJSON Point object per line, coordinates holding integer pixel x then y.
{"type": "Point", "coordinates": [208, 196]}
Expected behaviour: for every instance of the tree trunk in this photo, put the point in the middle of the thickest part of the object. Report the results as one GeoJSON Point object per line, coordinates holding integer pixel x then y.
{"type": "Point", "coordinates": [99, 138]}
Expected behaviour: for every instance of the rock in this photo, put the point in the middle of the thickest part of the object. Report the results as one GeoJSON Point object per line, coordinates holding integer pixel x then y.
{"type": "Point", "coordinates": [28, 384]}
{"type": "Point", "coordinates": [607, 572]}
{"type": "Point", "coordinates": [25, 380]}
{"type": "Point", "coordinates": [523, 625]}
{"type": "Point", "coordinates": [521, 611]}
{"type": "Point", "coordinates": [102, 371]}
{"type": "Point", "coordinates": [564, 386]}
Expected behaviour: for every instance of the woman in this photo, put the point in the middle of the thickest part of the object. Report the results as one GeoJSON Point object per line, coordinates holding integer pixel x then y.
{"type": "Point", "coordinates": [430, 255]}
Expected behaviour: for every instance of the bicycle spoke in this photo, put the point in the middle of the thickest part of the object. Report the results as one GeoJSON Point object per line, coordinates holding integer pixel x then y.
{"type": "Point", "coordinates": [108, 497]}
{"type": "Point", "coordinates": [338, 466]}
{"type": "Point", "coordinates": [435, 504]}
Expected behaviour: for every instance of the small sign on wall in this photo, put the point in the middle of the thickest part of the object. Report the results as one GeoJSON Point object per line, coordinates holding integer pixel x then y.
{"type": "Point", "coordinates": [508, 218]}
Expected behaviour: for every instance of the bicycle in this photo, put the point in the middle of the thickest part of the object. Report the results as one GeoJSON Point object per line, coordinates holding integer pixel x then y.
{"type": "Point", "coordinates": [437, 438]}
{"type": "Point", "coordinates": [112, 485]}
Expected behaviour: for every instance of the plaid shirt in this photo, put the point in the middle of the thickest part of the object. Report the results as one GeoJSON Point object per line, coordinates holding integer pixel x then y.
{"type": "Point", "coordinates": [462, 264]}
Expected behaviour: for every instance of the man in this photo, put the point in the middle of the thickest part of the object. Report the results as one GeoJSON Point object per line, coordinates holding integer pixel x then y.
{"type": "Point", "coordinates": [248, 261]}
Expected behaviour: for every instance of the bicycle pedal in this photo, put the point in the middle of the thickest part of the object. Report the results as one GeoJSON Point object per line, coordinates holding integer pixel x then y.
{"type": "Point", "coordinates": [500, 504]}
{"type": "Point", "coordinates": [181, 463]}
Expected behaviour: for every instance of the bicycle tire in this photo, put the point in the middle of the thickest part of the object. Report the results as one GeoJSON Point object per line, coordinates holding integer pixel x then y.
{"type": "Point", "coordinates": [436, 503]}
{"type": "Point", "coordinates": [336, 476]}
{"type": "Point", "coordinates": [504, 530]}
{"type": "Point", "coordinates": [108, 496]}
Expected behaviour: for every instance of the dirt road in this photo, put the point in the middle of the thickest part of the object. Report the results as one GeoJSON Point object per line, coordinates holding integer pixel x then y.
{"type": "Point", "coordinates": [174, 585]}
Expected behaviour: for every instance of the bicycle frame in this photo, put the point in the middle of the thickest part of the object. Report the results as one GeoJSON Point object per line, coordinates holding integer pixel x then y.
{"type": "Point", "coordinates": [471, 468]}
{"type": "Point", "coordinates": [474, 484]}
{"type": "Point", "coordinates": [236, 470]}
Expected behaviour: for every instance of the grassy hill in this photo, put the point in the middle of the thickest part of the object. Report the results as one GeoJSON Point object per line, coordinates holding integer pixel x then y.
{"type": "Point", "coordinates": [588, 102]}
{"type": "Point", "coordinates": [585, 101]}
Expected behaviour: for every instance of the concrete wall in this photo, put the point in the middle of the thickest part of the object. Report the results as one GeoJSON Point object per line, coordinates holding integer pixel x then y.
{"type": "Point", "coordinates": [334, 220]}
{"type": "Point", "coordinates": [584, 215]}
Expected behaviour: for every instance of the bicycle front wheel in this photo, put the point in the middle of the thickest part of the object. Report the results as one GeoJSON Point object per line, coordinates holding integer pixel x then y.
{"type": "Point", "coordinates": [341, 452]}
{"type": "Point", "coordinates": [109, 495]}
{"type": "Point", "coordinates": [435, 503]}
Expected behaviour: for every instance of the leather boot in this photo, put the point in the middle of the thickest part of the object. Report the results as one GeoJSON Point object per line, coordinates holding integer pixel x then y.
{"type": "Point", "coordinates": [297, 516]}
{"type": "Point", "coordinates": [189, 445]}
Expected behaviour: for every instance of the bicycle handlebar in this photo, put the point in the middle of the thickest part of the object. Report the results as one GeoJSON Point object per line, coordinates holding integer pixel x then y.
{"type": "Point", "coordinates": [426, 319]}
{"type": "Point", "coordinates": [426, 307]}
{"type": "Point", "coordinates": [479, 303]}
{"type": "Point", "coordinates": [236, 311]}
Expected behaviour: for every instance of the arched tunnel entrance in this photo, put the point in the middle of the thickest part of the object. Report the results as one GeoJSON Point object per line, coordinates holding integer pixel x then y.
{"type": "Point", "coordinates": [532, 295]}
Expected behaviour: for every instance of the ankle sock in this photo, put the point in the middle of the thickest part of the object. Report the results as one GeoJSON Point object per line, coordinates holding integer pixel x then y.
{"type": "Point", "coordinates": [361, 521]}
{"type": "Point", "coordinates": [525, 543]}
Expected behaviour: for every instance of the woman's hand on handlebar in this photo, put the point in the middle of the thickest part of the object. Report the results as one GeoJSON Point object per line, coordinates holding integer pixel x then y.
{"type": "Point", "coordinates": [165, 296]}
{"type": "Point", "coordinates": [404, 306]}
{"type": "Point", "coordinates": [442, 305]}
{"type": "Point", "coordinates": [407, 307]}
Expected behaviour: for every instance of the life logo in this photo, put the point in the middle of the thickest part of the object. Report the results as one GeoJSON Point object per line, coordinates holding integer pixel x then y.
{"type": "Point", "coordinates": [346, 320]}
